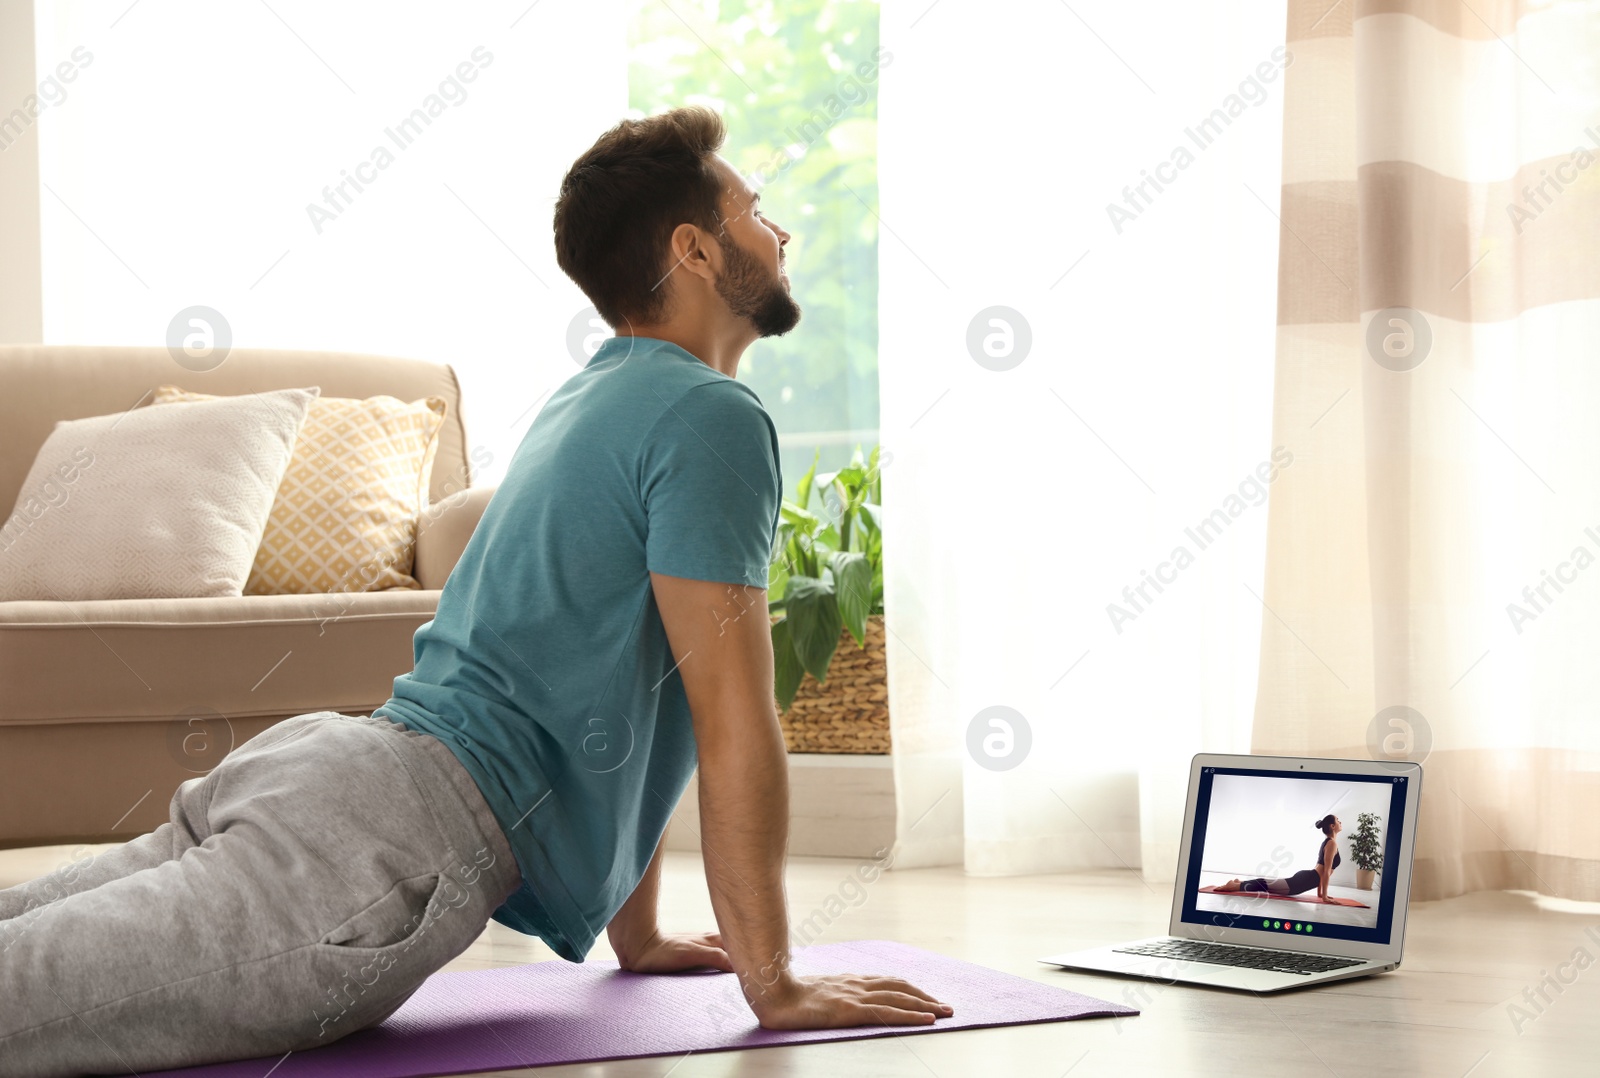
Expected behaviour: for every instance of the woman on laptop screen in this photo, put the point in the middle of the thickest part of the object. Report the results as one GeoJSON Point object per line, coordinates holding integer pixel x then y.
{"type": "Point", "coordinates": [1327, 860]}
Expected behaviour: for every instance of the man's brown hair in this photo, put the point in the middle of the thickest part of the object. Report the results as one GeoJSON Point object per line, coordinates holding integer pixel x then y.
{"type": "Point", "coordinates": [621, 200]}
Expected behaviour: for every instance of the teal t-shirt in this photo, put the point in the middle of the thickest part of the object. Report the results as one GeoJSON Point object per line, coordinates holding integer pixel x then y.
{"type": "Point", "coordinates": [547, 669]}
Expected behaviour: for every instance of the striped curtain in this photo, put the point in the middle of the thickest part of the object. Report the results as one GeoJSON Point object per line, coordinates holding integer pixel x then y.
{"type": "Point", "coordinates": [1433, 565]}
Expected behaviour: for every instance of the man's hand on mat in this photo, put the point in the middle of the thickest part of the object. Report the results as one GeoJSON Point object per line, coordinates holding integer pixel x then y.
{"type": "Point", "coordinates": [835, 1002]}
{"type": "Point", "coordinates": [672, 953]}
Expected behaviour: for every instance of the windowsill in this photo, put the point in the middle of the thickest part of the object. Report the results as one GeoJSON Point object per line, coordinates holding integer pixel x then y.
{"type": "Point", "coordinates": [840, 759]}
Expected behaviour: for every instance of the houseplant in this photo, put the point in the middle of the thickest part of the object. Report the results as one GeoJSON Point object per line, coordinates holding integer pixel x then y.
{"type": "Point", "coordinates": [825, 580]}
{"type": "Point", "coordinates": [1365, 850]}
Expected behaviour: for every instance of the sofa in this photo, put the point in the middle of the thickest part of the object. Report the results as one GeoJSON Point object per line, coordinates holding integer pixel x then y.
{"type": "Point", "coordinates": [107, 705]}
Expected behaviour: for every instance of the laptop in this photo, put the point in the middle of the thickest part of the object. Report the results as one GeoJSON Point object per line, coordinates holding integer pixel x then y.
{"type": "Point", "coordinates": [1252, 822]}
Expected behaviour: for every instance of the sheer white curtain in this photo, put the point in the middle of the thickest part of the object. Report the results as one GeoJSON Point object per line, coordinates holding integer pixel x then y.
{"type": "Point", "coordinates": [1017, 148]}
{"type": "Point", "coordinates": [1432, 561]}
{"type": "Point", "coordinates": [180, 161]}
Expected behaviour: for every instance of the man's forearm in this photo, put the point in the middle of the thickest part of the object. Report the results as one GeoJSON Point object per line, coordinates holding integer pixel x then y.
{"type": "Point", "coordinates": [744, 820]}
{"type": "Point", "coordinates": [635, 924]}
{"type": "Point", "coordinates": [722, 640]}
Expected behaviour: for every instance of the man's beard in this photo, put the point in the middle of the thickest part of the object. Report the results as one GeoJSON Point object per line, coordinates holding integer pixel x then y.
{"type": "Point", "coordinates": [753, 293]}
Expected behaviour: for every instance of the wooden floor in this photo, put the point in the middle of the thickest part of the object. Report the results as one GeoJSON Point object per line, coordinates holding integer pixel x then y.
{"type": "Point", "coordinates": [1448, 1011]}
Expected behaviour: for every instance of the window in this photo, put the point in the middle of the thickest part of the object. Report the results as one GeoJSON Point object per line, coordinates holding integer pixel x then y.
{"type": "Point", "coordinates": [447, 255]}
{"type": "Point", "coordinates": [797, 83]}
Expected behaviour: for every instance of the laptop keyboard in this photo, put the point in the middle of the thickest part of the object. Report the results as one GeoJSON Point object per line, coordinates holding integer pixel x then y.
{"type": "Point", "coordinates": [1223, 954]}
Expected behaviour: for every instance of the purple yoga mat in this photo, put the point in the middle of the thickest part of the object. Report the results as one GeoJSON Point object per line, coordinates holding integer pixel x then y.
{"type": "Point", "coordinates": [559, 1012]}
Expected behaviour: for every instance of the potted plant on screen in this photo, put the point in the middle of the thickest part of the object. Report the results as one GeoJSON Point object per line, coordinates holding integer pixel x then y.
{"type": "Point", "coordinates": [1365, 850]}
{"type": "Point", "coordinates": [825, 591]}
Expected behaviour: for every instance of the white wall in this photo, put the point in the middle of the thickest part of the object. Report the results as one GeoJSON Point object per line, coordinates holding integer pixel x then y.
{"type": "Point", "coordinates": [1263, 826]}
{"type": "Point", "coordinates": [180, 168]}
{"type": "Point", "coordinates": [21, 314]}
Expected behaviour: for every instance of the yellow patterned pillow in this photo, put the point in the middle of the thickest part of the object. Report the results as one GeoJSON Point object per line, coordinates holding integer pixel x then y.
{"type": "Point", "coordinates": [345, 515]}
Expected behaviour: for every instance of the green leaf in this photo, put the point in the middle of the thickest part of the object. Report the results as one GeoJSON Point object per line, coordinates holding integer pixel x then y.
{"type": "Point", "coordinates": [803, 557]}
{"type": "Point", "coordinates": [777, 580]}
{"type": "Point", "coordinates": [803, 489]}
{"type": "Point", "coordinates": [870, 531]}
{"type": "Point", "coordinates": [852, 584]}
{"type": "Point", "coordinates": [787, 673]}
{"type": "Point", "coordinates": [853, 476]}
{"type": "Point", "coordinates": [805, 522]}
{"type": "Point", "coordinates": [779, 556]}
{"type": "Point", "coordinates": [849, 505]}
{"type": "Point", "coordinates": [875, 465]}
{"type": "Point", "coordinates": [814, 623]}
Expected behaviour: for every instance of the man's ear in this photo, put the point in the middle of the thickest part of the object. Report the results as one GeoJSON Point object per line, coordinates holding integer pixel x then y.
{"type": "Point", "coordinates": [692, 249]}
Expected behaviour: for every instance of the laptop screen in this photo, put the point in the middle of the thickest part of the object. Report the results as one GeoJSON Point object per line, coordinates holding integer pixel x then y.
{"type": "Point", "coordinates": [1262, 835]}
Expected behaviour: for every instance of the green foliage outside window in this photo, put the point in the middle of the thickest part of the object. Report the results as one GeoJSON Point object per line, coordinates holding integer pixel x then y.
{"type": "Point", "coordinates": [791, 76]}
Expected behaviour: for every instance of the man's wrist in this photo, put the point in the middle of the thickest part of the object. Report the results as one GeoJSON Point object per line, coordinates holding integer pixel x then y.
{"type": "Point", "coordinates": [631, 942]}
{"type": "Point", "coordinates": [769, 984]}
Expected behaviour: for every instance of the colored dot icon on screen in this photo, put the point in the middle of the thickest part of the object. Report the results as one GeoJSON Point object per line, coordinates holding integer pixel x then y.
{"type": "Point", "coordinates": [1266, 924]}
{"type": "Point", "coordinates": [1276, 924]}
{"type": "Point", "coordinates": [1308, 928]}
{"type": "Point", "coordinates": [1297, 928]}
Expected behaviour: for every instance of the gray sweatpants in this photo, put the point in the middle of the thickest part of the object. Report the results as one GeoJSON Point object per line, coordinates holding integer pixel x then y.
{"type": "Point", "coordinates": [302, 890]}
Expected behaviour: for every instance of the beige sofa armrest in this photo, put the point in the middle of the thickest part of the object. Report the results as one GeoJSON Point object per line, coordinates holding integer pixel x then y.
{"type": "Point", "coordinates": [443, 531]}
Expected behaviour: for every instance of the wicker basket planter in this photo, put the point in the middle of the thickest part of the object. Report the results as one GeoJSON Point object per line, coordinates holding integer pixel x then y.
{"type": "Point", "coordinates": [850, 713]}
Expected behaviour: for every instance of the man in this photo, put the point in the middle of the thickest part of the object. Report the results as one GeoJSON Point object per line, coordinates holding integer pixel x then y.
{"type": "Point", "coordinates": [604, 632]}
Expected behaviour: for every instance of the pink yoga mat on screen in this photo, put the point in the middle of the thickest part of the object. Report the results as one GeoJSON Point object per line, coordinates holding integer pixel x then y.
{"type": "Point", "coordinates": [557, 1012]}
{"type": "Point", "coordinates": [1332, 900]}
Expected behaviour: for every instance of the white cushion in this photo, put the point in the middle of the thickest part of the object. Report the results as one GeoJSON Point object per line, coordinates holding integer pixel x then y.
{"type": "Point", "coordinates": [152, 503]}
